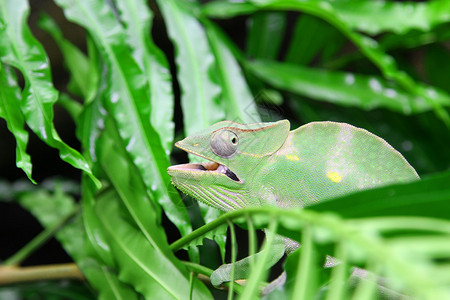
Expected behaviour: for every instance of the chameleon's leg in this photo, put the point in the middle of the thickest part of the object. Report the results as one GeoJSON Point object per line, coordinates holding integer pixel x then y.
{"type": "Point", "coordinates": [242, 267]}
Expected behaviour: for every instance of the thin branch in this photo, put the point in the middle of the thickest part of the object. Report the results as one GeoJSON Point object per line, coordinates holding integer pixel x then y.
{"type": "Point", "coordinates": [15, 274]}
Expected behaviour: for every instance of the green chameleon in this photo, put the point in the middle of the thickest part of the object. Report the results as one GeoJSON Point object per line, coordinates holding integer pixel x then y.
{"type": "Point", "coordinates": [267, 164]}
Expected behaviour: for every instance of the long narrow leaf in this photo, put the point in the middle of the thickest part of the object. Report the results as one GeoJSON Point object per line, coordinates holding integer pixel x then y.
{"type": "Point", "coordinates": [195, 61]}
{"type": "Point", "coordinates": [369, 16]}
{"type": "Point", "coordinates": [137, 17]}
{"type": "Point", "coordinates": [366, 92]}
{"type": "Point", "coordinates": [19, 48]}
{"type": "Point", "coordinates": [10, 111]}
{"type": "Point", "coordinates": [127, 100]}
{"type": "Point", "coordinates": [196, 67]}
{"type": "Point", "coordinates": [140, 264]}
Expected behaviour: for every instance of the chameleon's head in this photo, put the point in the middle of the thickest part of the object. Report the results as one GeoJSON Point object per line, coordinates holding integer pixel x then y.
{"type": "Point", "coordinates": [235, 153]}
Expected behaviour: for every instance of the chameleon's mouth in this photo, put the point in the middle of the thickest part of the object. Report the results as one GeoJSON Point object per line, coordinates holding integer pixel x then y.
{"type": "Point", "coordinates": [206, 167]}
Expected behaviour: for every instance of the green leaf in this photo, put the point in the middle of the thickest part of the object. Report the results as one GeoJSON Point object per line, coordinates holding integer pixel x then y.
{"type": "Point", "coordinates": [312, 36]}
{"type": "Point", "coordinates": [96, 241]}
{"type": "Point", "coordinates": [137, 18]}
{"type": "Point", "coordinates": [49, 209]}
{"type": "Point", "coordinates": [427, 197]}
{"type": "Point", "coordinates": [10, 111]}
{"type": "Point", "coordinates": [305, 286]}
{"type": "Point", "coordinates": [376, 17]}
{"type": "Point", "coordinates": [105, 281]}
{"type": "Point", "coordinates": [260, 271]}
{"type": "Point", "coordinates": [367, 16]}
{"type": "Point", "coordinates": [141, 264]}
{"type": "Point", "coordinates": [195, 73]}
{"type": "Point", "coordinates": [195, 61]}
{"type": "Point", "coordinates": [126, 98]}
{"type": "Point", "coordinates": [84, 82]}
{"type": "Point", "coordinates": [368, 46]}
{"type": "Point", "coordinates": [265, 35]}
{"type": "Point", "coordinates": [348, 89]}
{"type": "Point", "coordinates": [20, 49]}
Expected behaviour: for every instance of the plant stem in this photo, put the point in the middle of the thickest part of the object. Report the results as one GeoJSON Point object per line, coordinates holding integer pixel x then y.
{"type": "Point", "coordinates": [14, 274]}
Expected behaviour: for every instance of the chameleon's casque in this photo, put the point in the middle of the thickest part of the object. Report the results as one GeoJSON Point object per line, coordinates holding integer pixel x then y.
{"type": "Point", "coordinates": [266, 164]}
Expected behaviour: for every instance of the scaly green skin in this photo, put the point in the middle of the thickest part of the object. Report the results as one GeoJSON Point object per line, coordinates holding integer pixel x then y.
{"type": "Point", "coordinates": [296, 168]}
{"type": "Point", "coordinates": [271, 165]}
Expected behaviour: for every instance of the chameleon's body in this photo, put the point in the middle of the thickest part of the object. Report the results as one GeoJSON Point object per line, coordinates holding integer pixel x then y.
{"type": "Point", "coordinates": [266, 164]}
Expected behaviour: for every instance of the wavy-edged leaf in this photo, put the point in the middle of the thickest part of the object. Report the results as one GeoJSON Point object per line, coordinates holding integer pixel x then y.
{"type": "Point", "coordinates": [141, 264]}
{"type": "Point", "coordinates": [195, 61]}
{"type": "Point", "coordinates": [10, 111]}
{"type": "Point", "coordinates": [196, 67]}
{"type": "Point", "coordinates": [399, 17]}
{"type": "Point", "coordinates": [83, 81]}
{"type": "Point", "coordinates": [126, 98]}
{"type": "Point", "coordinates": [363, 91]}
{"type": "Point", "coordinates": [239, 101]}
{"type": "Point", "coordinates": [368, 16]}
{"type": "Point", "coordinates": [19, 48]}
{"type": "Point", "coordinates": [137, 17]}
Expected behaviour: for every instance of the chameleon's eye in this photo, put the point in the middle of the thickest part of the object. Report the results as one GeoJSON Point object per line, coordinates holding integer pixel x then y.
{"type": "Point", "coordinates": [224, 143]}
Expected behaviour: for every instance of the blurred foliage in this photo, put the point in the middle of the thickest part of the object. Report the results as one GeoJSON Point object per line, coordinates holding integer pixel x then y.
{"type": "Point", "coordinates": [382, 66]}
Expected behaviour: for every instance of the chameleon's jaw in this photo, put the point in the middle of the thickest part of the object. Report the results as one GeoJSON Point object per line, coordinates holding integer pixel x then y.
{"type": "Point", "coordinates": [205, 167]}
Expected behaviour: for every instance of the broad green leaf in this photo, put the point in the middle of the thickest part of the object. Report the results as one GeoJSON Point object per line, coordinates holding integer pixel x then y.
{"type": "Point", "coordinates": [20, 49]}
{"type": "Point", "coordinates": [141, 264]}
{"type": "Point", "coordinates": [126, 98]}
{"type": "Point", "coordinates": [239, 102]}
{"type": "Point", "coordinates": [349, 89]}
{"type": "Point", "coordinates": [137, 18]}
{"type": "Point", "coordinates": [10, 111]}
{"type": "Point", "coordinates": [265, 34]}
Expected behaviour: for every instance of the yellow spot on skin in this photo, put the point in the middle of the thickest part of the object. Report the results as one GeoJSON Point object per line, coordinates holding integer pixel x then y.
{"type": "Point", "coordinates": [291, 157]}
{"type": "Point", "coordinates": [334, 176]}
{"type": "Point", "coordinates": [196, 144]}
